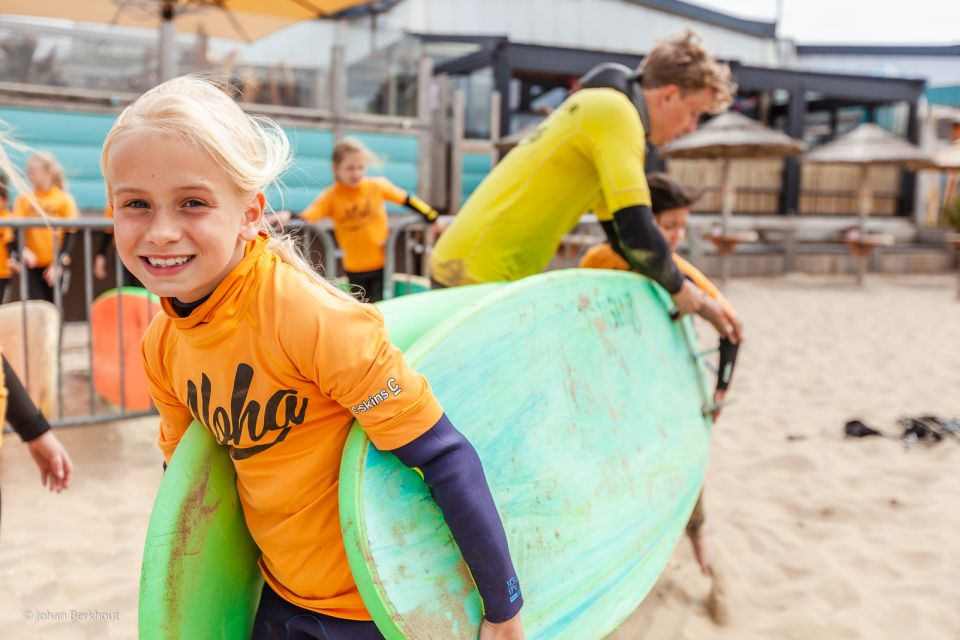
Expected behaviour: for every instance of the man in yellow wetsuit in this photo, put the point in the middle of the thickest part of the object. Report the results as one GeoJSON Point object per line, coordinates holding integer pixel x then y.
{"type": "Point", "coordinates": [588, 154]}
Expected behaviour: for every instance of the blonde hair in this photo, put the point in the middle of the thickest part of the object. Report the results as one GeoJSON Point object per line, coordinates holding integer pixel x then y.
{"type": "Point", "coordinates": [252, 150]}
{"type": "Point", "coordinates": [682, 61]}
{"type": "Point", "coordinates": [50, 164]}
{"type": "Point", "coordinates": [346, 146]}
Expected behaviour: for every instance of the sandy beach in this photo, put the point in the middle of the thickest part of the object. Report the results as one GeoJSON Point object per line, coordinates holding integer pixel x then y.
{"type": "Point", "coordinates": [816, 537]}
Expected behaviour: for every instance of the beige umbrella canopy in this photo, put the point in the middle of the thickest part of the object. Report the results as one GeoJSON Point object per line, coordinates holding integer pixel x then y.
{"type": "Point", "coordinates": [235, 19]}
{"type": "Point", "coordinates": [865, 146]}
{"type": "Point", "coordinates": [948, 157]}
{"type": "Point", "coordinates": [729, 137]}
{"type": "Point", "coordinates": [733, 135]}
{"type": "Point", "coordinates": [869, 144]}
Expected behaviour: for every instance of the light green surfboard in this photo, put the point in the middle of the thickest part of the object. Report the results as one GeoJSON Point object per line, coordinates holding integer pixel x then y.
{"type": "Point", "coordinates": [200, 577]}
{"type": "Point", "coordinates": [584, 401]}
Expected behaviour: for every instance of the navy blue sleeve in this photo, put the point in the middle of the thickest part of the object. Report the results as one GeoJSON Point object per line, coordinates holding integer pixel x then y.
{"type": "Point", "coordinates": [451, 467]}
{"type": "Point", "coordinates": [634, 235]}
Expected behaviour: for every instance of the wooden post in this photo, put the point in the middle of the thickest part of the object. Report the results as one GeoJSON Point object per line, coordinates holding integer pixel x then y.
{"type": "Point", "coordinates": [439, 170]}
{"type": "Point", "coordinates": [338, 89]}
{"type": "Point", "coordinates": [727, 195]}
{"type": "Point", "coordinates": [863, 198]}
{"type": "Point", "coordinates": [425, 116]}
{"type": "Point", "coordinates": [495, 98]}
{"type": "Point", "coordinates": [456, 149]}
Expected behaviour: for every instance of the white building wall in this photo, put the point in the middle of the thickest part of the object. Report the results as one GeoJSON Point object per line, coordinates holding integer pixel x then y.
{"type": "Point", "coordinates": [939, 71]}
{"type": "Point", "coordinates": [605, 25]}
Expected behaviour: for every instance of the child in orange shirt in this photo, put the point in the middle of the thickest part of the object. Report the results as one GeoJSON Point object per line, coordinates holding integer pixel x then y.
{"type": "Point", "coordinates": [16, 407]}
{"type": "Point", "coordinates": [277, 362]}
{"type": "Point", "coordinates": [356, 206]}
{"type": "Point", "coordinates": [46, 252]}
{"type": "Point", "coordinates": [6, 238]}
{"type": "Point", "coordinates": [671, 204]}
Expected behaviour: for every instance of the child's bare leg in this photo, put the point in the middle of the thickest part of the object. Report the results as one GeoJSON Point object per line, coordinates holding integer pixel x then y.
{"type": "Point", "coordinates": [695, 533]}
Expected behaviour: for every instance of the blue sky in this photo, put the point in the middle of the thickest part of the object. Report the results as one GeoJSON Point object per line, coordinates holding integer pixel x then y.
{"type": "Point", "coordinates": [929, 22]}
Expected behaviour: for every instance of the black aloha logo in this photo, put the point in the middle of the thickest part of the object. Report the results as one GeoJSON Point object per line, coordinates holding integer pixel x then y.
{"type": "Point", "coordinates": [228, 426]}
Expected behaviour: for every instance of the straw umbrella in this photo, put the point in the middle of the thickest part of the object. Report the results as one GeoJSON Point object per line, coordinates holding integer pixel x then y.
{"type": "Point", "coordinates": [235, 19]}
{"type": "Point", "coordinates": [948, 159]}
{"type": "Point", "coordinates": [868, 145]}
{"type": "Point", "coordinates": [729, 137]}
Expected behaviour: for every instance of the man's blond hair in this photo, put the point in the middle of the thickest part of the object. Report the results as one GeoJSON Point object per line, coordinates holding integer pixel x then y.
{"type": "Point", "coordinates": [682, 61]}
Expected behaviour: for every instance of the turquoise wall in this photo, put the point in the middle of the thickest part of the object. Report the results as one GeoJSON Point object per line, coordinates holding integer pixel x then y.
{"type": "Point", "coordinates": [476, 166]}
{"type": "Point", "coordinates": [75, 139]}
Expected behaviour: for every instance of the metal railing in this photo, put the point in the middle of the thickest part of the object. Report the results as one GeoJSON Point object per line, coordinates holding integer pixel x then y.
{"type": "Point", "coordinates": [407, 247]}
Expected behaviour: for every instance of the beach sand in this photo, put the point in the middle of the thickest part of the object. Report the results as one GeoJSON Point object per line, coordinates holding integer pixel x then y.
{"type": "Point", "coordinates": [816, 537]}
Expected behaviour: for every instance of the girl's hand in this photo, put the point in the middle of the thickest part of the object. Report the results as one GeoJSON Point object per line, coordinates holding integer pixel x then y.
{"type": "Point", "coordinates": [512, 629]}
{"type": "Point", "coordinates": [52, 460]}
{"type": "Point", "coordinates": [437, 227]}
{"type": "Point", "coordinates": [29, 258]}
{"type": "Point", "coordinates": [13, 265]}
{"type": "Point", "coordinates": [50, 275]}
{"type": "Point", "coordinates": [100, 267]}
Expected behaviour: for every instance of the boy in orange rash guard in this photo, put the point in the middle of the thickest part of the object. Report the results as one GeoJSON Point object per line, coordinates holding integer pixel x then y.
{"type": "Point", "coordinates": [356, 206]}
{"type": "Point", "coordinates": [44, 246]}
{"type": "Point", "coordinates": [671, 204]}
{"type": "Point", "coordinates": [277, 362]}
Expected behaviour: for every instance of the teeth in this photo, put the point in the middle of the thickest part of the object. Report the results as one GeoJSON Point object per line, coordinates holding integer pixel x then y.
{"type": "Point", "coordinates": [168, 262]}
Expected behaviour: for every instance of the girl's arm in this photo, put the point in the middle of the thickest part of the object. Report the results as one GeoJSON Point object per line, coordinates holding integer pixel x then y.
{"type": "Point", "coordinates": [417, 205]}
{"type": "Point", "coordinates": [396, 195]}
{"type": "Point", "coordinates": [22, 414]}
{"type": "Point", "coordinates": [451, 467]}
{"type": "Point", "coordinates": [175, 417]}
{"type": "Point", "coordinates": [32, 427]}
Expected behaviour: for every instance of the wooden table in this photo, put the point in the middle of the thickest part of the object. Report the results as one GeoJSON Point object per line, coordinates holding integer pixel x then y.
{"type": "Point", "coordinates": [726, 245]}
{"type": "Point", "coordinates": [862, 247]}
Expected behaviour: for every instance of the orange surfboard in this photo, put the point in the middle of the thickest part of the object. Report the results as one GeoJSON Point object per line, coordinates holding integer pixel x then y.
{"type": "Point", "coordinates": [118, 320]}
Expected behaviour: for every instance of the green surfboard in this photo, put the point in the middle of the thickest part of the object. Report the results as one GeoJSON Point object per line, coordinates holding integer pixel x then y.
{"type": "Point", "coordinates": [584, 401]}
{"type": "Point", "coordinates": [200, 577]}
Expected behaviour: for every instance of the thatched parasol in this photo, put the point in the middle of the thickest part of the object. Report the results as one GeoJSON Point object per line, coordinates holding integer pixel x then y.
{"type": "Point", "coordinates": [869, 145]}
{"type": "Point", "coordinates": [733, 135]}
{"type": "Point", "coordinates": [728, 137]}
{"type": "Point", "coordinates": [948, 158]}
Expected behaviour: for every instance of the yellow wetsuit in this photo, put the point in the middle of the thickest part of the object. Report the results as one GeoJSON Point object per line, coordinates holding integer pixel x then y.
{"type": "Point", "coordinates": [590, 149]}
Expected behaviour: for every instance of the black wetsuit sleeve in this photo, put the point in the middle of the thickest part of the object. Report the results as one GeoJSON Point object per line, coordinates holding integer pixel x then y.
{"type": "Point", "coordinates": [67, 248]}
{"type": "Point", "coordinates": [12, 248]}
{"type": "Point", "coordinates": [451, 467]}
{"type": "Point", "coordinates": [103, 243]}
{"type": "Point", "coordinates": [728, 360]}
{"type": "Point", "coordinates": [419, 206]}
{"type": "Point", "coordinates": [634, 235]}
{"type": "Point", "coordinates": [22, 414]}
